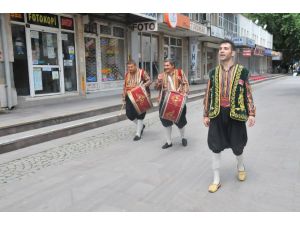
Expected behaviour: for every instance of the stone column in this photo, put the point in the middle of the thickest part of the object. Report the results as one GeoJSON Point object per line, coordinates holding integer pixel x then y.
{"type": "Point", "coordinates": [79, 39]}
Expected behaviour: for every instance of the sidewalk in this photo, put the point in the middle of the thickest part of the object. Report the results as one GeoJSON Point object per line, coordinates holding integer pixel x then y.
{"type": "Point", "coordinates": [40, 112]}
{"type": "Point", "coordinates": [46, 111]}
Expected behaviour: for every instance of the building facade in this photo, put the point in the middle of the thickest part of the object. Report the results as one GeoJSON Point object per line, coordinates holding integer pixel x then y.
{"type": "Point", "coordinates": [43, 56]}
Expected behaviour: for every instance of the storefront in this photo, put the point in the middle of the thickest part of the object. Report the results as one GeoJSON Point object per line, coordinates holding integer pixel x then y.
{"type": "Point", "coordinates": [173, 49]}
{"type": "Point", "coordinates": [258, 63]}
{"type": "Point", "coordinates": [210, 50]}
{"type": "Point", "coordinates": [44, 54]}
{"type": "Point", "coordinates": [195, 46]}
{"type": "Point", "coordinates": [145, 46]}
{"type": "Point", "coordinates": [175, 32]}
{"type": "Point", "coordinates": [104, 55]}
{"type": "Point", "coordinates": [210, 57]}
{"type": "Point", "coordinates": [268, 58]}
{"type": "Point", "coordinates": [244, 51]}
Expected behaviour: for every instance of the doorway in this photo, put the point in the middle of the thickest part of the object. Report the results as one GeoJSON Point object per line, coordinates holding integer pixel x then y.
{"type": "Point", "coordinates": [44, 62]}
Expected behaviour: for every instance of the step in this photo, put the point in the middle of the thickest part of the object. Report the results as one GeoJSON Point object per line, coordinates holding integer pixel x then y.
{"type": "Point", "coordinates": [44, 122]}
{"type": "Point", "coordinates": [27, 138]}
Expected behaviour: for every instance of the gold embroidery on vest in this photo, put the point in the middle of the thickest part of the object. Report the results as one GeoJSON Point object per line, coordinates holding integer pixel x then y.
{"type": "Point", "coordinates": [233, 110]}
{"type": "Point", "coordinates": [215, 103]}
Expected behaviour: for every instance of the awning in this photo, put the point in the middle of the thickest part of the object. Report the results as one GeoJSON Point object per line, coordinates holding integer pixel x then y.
{"type": "Point", "coordinates": [127, 18]}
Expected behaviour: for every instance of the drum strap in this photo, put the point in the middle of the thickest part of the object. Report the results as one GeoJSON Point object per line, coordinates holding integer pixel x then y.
{"type": "Point", "coordinates": [171, 83]}
{"type": "Point", "coordinates": [141, 77]}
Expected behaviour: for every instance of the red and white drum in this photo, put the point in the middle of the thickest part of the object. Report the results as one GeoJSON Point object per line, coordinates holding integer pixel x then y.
{"type": "Point", "coordinates": [172, 106]}
{"type": "Point", "coordinates": [139, 98]}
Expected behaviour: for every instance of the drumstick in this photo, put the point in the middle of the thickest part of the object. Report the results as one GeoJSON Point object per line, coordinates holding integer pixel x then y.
{"type": "Point", "coordinates": [121, 109]}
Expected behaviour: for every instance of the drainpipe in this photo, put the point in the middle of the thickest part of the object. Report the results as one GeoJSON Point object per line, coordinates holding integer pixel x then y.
{"type": "Point", "coordinates": [6, 62]}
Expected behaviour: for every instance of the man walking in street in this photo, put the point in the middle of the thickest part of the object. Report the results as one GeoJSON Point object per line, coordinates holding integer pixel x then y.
{"type": "Point", "coordinates": [228, 104]}
{"type": "Point", "coordinates": [133, 78]}
{"type": "Point", "coordinates": [172, 80]}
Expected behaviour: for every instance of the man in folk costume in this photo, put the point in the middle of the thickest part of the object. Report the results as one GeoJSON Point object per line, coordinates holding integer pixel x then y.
{"type": "Point", "coordinates": [133, 78]}
{"type": "Point", "coordinates": [172, 79]}
{"type": "Point", "coordinates": [228, 104]}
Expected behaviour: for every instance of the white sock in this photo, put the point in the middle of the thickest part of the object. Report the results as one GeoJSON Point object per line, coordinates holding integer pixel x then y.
{"type": "Point", "coordinates": [240, 162]}
{"type": "Point", "coordinates": [135, 121]}
{"type": "Point", "coordinates": [182, 132]}
{"type": "Point", "coordinates": [216, 160]}
{"type": "Point", "coordinates": [168, 131]}
{"type": "Point", "coordinates": [139, 127]}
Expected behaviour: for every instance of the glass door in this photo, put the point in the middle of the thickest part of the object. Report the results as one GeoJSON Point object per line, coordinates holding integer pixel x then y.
{"type": "Point", "coordinates": [69, 59]}
{"type": "Point", "coordinates": [46, 77]}
{"type": "Point", "coordinates": [148, 53]}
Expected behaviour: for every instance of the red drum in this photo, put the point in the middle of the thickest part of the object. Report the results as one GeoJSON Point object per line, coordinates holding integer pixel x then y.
{"type": "Point", "coordinates": [139, 98]}
{"type": "Point", "coordinates": [172, 106]}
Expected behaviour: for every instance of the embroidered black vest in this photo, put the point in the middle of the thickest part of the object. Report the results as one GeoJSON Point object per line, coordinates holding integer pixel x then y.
{"type": "Point", "coordinates": [237, 93]}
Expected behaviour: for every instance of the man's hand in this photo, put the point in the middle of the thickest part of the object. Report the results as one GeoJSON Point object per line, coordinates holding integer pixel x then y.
{"type": "Point", "coordinates": [251, 121]}
{"type": "Point", "coordinates": [206, 121]}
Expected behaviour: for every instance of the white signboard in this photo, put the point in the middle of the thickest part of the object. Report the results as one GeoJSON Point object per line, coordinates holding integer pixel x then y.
{"type": "Point", "coordinates": [55, 75]}
{"type": "Point", "coordinates": [217, 32]}
{"type": "Point", "coordinates": [199, 28]}
{"type": "Point", "coordinates": [194, 51]}
{"type": "Point", "coordinates": [37, 77]}
{"type": "Point", "coordinates": [145, 26]}
{"type": "Point", "coordinates": [34, 34]}
{"type": "Point", "coordinates": [64, 37]}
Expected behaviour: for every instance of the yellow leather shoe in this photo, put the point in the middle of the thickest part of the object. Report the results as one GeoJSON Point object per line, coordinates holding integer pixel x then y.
{"type": "Point", "coordinates": [241, 175]}
{"type": "Point", "coordinates": [212, 188]}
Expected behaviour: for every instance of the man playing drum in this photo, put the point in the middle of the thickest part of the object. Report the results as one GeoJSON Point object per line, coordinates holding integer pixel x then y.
{"type": "Point", "coordinates": [171, 82]}
{"type": "Point", "coordinates": [133, 78]}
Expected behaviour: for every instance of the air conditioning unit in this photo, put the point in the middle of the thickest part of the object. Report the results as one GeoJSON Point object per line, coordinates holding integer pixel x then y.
{"type": "Point", "coordinates": [3, 96]}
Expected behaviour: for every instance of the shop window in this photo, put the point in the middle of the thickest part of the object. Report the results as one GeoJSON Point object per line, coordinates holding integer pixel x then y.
{"type": "Point", "coordinates": [46, 80]}
{"type": "Point", "coordinates": [112, 59]}
{"type": "Point", "coordinates": [179, 42]}
{"type": "Point", "coordinates": [166, 40]}
{"type": "Point", "coordinates": [173, 41]}
{"type": "Point", "coordinates": [90, 59]}
{"type": "Point", "coordinates": [175, 55]}
{"type": "Point", "coordinates": [20, 64]}
{"type": "Point", "coordinates": [46, 74]}
{"type": "Point", "coordinates": [105, 30]}
{"type": "Point", "coordinates": [44, 48]}
{"type": "Point", "coordinates": [118, 32]}
{"type": "Point", "coordinates": [90, 28]}
{"type": "Point", "coordinates": [69, 61]}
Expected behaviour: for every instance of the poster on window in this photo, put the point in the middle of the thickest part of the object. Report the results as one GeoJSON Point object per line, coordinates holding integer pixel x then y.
{"type": "Point", "coordinates": [55, 75]}
{"type": "Point", "coordinates": [64, 37]}
{"type": "Point", "coordinates": [51, 53]}
{"type": "Point", "coordinates": [37, 77]}
{"type": "Point", "coordinates": [71, 50]}
{"type": "Point", "coordinates": [34, 34]}
{"type": "Point", "coordinates": [49, 40]}
{"type": "Point", "coordinates": [112, 59]}
{"type": "Point", "coordinates": [68, 62]}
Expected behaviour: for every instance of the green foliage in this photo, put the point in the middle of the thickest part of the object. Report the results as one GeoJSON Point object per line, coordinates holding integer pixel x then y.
{"type": "Point", "coordinates": [285, 28]}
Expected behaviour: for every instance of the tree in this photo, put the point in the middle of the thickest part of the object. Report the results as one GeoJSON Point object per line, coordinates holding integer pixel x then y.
{"type": "Point", "coordinates": [285, 28]}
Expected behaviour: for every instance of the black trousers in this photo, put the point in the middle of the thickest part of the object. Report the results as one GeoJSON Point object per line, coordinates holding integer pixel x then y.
{"type": "Point", "coordinates": [131, 113]}
{"type": "Point", "coordinates": [167, 123]}
{"type": "Point", "coordinates": [225, 132]}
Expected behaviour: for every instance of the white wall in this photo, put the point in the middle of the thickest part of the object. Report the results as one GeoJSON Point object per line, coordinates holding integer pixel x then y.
{"type": "Point", "coordinates": [247, 28]}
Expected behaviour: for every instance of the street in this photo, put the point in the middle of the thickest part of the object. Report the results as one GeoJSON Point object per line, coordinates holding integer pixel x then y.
{"type": "Point", "coordinates": [104, 170]}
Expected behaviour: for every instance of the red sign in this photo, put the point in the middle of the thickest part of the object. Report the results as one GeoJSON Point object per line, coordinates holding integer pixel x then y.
{"type": "Point", "coordinates": [247, 52]}
{"type": "Point", "coordinates": [177, 20]}
{"type": "Point", "coordinates": [67, 23]}
{"type": "Point", "coordinates": [17, 17]}
{"type": "Point", "coordinates": [259, 51]}
{"type": "Point", "coordinates": [171, 19]}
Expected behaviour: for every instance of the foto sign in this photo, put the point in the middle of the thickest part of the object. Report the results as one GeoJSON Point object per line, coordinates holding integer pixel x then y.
{"type": "Point", "coordinates": [145, 26]}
